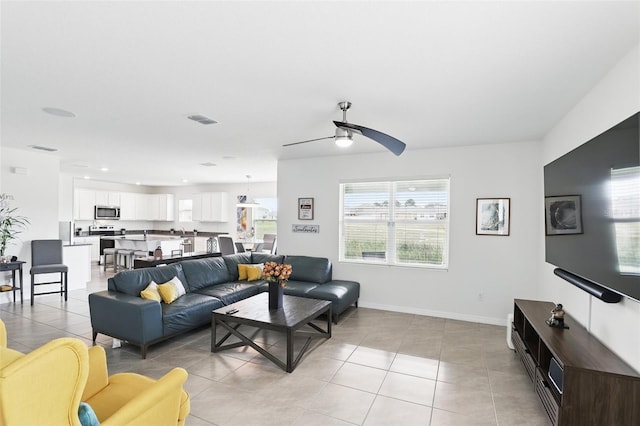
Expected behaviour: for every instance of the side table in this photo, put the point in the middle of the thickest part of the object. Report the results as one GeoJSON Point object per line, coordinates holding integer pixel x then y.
{"type": "Point", "coordinates": [13, 267]}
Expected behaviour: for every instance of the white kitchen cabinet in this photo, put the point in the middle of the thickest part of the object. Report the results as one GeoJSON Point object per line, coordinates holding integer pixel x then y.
{"type": "Point", "coordinates": [210, 207]}
{"type": "Point", "coordinates": [84, 201]}
{"type": "Point", "coordinates": [107, 198]}
{"type": "Point", "coordinates": [143, 206]}
{"type": "Point", "coordinates": [127, 206]}
{"type": "Point", "coordinates": [161, 207]}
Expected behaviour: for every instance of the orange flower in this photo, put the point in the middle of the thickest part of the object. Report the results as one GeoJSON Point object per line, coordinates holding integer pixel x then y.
{"type": "Point", "coordinates": [276, 272]}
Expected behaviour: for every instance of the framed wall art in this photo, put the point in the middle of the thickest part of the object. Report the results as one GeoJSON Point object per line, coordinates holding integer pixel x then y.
{"type": "Point", "coordinates": [563, 215]}
{"type": "Point", "coordinates": [305, 208]}
{"type": "Point", "coordinates": [493, 216]}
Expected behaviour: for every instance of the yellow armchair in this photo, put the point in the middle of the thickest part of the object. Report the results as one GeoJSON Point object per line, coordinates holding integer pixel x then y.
{"type": "Point", "coordinates": [133, 399]}
{"type": "Point", "coordinates": [46, 386]}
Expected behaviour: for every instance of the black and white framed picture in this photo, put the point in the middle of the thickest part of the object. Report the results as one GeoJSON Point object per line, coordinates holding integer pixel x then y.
{"type": "Point", "coordinates": [493, 216]}
{"type": "Point", "coordinates": [563, 214]}
{"type": "Point", "coordinates": [305, 208]}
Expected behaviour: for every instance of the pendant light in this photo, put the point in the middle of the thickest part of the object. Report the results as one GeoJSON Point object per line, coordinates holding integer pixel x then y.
{"type": "Point", "coordinates": [245, 200]}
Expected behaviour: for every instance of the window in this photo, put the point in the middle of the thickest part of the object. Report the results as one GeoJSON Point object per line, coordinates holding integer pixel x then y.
{"type": "Point", "coordinates": [625, 189]}
{"type": "Point", "coordinates": [404, 222]}
{"type": "Point", "coordinates": [185, 210]}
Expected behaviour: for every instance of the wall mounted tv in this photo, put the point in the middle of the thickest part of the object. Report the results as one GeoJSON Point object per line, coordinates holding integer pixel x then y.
{"type": "Point", "coordinates": [592, 212]}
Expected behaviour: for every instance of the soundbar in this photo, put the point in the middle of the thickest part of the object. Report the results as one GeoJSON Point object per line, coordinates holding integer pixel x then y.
{"type": "Point", "coordinates": [589, 286]}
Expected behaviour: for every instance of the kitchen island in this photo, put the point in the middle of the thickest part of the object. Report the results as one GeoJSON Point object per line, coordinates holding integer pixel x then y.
{"type": "Point", "coordinates": [147, 243]}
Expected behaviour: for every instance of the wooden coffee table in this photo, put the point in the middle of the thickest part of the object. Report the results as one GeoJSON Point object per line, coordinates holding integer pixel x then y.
{"type": "Point", "coordinates": [296, 313]}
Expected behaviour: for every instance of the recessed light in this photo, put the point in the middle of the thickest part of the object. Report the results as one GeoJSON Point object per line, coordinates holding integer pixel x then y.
{"type": "Point", "coordinates": [43, 148]}
{"type": "Point", "coordinates": [229, 157]}
{"type": "Point", "coordinates": [87, 177]}
{"type": "Point", "coordinates": [137, 183]}
{"type": "Point", "coordinates": [185, 180]}
{"type": "Point", "coordinates": [58, 112]}
{"type": "Point", "coordinates": [208, 164]}
{"type": "Point", "coordinates": [104, 169]}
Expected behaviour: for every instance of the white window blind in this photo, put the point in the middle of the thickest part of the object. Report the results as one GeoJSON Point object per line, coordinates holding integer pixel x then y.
{"type": "Point", "coordinates": [625, 195]}
{"type": "Point", "coordinates": [404, 222]}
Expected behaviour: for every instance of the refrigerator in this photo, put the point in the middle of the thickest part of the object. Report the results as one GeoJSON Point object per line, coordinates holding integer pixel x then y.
{"type": "Point", "coordinates": [66, 232]}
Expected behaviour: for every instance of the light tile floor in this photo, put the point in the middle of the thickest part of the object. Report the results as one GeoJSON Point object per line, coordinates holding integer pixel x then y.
{"type": "Point", "coordinates": [379, 368]}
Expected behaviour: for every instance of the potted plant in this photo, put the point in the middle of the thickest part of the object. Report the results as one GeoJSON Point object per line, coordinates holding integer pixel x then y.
{"type": "Point", "coordinates": [11, 225]}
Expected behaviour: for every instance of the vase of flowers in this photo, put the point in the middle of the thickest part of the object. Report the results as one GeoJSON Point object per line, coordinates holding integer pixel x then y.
{"type": "Point", "coordinates": [277, 275]}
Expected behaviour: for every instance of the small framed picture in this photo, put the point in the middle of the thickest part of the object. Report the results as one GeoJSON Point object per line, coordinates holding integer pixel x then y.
{"type": "Point", "coordinates": [305, 208]}
{"type": "Point", "coordinates": [563, 215]}
{"type": "Point", "coordinates": [492, 216]}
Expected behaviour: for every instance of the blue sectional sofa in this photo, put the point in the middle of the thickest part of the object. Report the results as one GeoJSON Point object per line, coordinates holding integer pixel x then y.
{"type": "Point", "coordinates": [210, 283]}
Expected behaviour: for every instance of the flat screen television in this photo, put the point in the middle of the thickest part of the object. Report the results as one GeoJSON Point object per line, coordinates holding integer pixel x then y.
{"type": "Point", "coordinates": [592, 211]}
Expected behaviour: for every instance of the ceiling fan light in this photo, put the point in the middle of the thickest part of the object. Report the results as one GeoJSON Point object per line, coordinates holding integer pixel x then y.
{"type": "Point", "coordinates": [344, 141]}
{"type": "Point", "coordinates": [343, 138]}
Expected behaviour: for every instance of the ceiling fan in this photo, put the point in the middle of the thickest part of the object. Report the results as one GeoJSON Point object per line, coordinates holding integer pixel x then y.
{"type": "Point", "coordinates": [345, 130]}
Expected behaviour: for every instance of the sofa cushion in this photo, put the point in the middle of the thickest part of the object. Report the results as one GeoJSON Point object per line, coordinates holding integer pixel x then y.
{"type": "Point", "coordinates": [311, 269]}
{"type": "Point", "coordinates": [341, 293]}
{"type": "Point", "coordinates": [235, 291]}
{"type": "Point", "coordinates": [187, 312]}
{"type": "Point", "coordinates": [257, 257]}
{"type": "Point", "coordinates": [201, 273]}
{"type": "Point", "coordinates": [132, 282]}
{"type": "Point", "coordinates": [299, 288]}
{"type": "Point", "coordinates": [233, 260]}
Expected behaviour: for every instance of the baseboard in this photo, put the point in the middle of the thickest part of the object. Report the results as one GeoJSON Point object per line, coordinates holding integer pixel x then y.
{"type": "Point", "coordinates": [438, 314]}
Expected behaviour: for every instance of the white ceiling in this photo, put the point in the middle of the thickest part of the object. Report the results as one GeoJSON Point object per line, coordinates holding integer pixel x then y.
{"type": "Point", "coordinates": [429, 73]}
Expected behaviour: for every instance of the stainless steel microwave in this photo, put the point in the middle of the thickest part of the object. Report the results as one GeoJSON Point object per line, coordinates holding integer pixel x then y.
{"type": "Point", "coordinates": [107, 212]}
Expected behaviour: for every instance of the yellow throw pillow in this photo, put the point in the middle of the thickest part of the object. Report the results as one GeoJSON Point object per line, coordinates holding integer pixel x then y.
{"type": "Point", "coordinates": [242, 271]}
{"type": "Point", "coordinates": [171, 290]}
{"type": "Point", "coordinates": [151, 292]}
{"type": "Point", "coordinates": [254, 272]}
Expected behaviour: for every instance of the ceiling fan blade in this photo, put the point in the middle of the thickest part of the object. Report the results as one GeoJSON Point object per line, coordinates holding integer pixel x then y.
{"type": "Point", "coordinates": [310, 140]}
{"type": "Point", "coordinates": [392, 144]}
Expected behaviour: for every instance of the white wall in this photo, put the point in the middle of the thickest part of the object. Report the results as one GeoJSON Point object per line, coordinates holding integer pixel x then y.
{"type": "Point", "coordinates": [614, 98]}
{"type": "Point", "coordinates": [500, 267]}
{"type": "Point", "coordinates": [36, 197]}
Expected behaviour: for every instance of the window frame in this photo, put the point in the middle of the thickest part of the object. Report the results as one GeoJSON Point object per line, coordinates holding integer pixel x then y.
{"type": "Point", "coordinates": [393, 219]}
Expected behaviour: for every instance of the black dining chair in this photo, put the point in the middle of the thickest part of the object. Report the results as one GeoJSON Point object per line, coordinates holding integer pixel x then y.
{"type": "Point", "coordinates": [226, 245]}
{"type": "Point", "coordinates": [269, 244]}
{"type": "Point", "coordinates": [46, 258]}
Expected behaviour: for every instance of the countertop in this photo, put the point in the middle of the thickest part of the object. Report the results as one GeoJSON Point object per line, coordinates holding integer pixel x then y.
{"type": "Point", "coordinates": [140, 232]}
{"type": "Point", "coordinates": [152, 237]}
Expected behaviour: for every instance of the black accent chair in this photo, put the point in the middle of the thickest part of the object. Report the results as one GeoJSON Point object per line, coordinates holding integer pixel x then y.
{"type": "Point", "coordinates": [46, 258]}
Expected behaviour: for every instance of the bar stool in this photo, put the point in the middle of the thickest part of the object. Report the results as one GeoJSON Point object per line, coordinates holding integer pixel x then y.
{"type": "Point", "coordinates": [46, 258]}
{"type": "Point", "coordinates": [114, 254]}
{"type": "Point", "coordinates": [137, 254]}
{"type": "Point", "coordinates": [125, 257]}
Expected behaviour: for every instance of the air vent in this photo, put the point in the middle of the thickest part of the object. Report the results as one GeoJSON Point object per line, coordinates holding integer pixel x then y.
{"type": "Point", "coordinates": [58, 112]}
{"type": "Point", "coordinates": [43, 148]}
{"type": "Point", "coordinates": [208, 164]}
{"type": "Point", "coordinates": [202, 119]}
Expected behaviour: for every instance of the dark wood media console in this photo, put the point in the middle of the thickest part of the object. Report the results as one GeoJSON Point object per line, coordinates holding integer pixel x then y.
{"type": "Point", "coordinates": [598, 388]}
